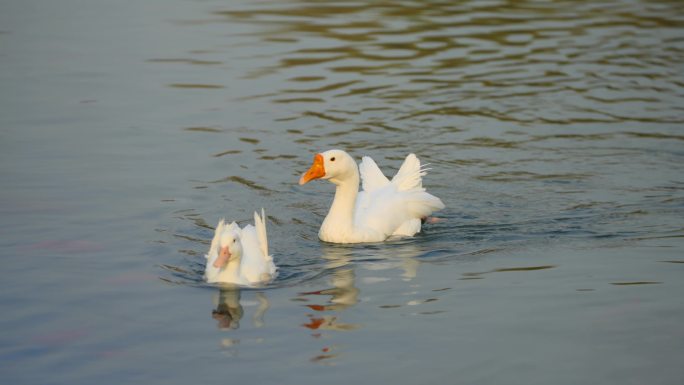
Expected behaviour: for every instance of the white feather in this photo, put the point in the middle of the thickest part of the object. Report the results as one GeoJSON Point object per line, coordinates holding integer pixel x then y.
{"type": "Point", "coordinates": [260, 224]}
{"type": "Point", "coordinates": [372, 177]}
{"type": "Point", "coordinates": [410, 175]}
{"type": "Point", "coordinates": [213, 249]}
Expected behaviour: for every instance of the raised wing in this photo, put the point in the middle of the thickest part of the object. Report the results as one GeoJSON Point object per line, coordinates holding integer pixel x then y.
{"type": "Point", "coordinates": [410, 174]}
{"type": "Point", "coordinates": [260, 224]}
{"type": "Point", "coordinates": [394, 207]}
{"type": "Point", "coordinates": [371, 176]}
{"type": "Point", "coordinates": [215, 241]}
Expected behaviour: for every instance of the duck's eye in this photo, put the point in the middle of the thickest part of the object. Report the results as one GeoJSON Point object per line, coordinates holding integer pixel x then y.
{"type": "Point", "coordinates": [234, 240]}
{"type": "Point", "coordinates": [332, 159]}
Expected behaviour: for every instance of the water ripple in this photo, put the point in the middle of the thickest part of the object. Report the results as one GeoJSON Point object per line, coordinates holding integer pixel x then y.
{"type": "Point", "coordinates": [582, 56]}
{"type": "Point", "coordinates": [535, 117]}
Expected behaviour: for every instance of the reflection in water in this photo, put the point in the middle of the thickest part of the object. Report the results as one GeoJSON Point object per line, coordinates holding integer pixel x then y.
{"type": "Point", "coordinates": [410, 266]}
{"type": "Point", "coordinates": [328, 322]}
{"type": "Point", "coordinates": [344, 293]}
{"type": "Point", "coordinates": [507, 61]}
{"type": "Point", "coordinates": [228, 310]}
{"type": "Point", "coordinates": [403, 256]}
{"type": "Point", "coordinates": [341, 263]}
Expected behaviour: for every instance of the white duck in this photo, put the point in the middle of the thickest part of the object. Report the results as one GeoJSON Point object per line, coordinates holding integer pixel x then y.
{"type": "Point", "coordinates": [240, 256]}
{"type": "Point", "coordinates": [383, 209]}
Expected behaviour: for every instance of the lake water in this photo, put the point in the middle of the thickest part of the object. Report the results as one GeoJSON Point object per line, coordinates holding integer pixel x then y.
{"type": "Point", "coordinates": [555, 134]}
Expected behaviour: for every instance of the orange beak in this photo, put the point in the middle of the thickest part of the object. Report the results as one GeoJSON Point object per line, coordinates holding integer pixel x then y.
{"type": "Point", "coordinates": [223, 258]}
{"type": "Point", "coordinates": [316, 171]}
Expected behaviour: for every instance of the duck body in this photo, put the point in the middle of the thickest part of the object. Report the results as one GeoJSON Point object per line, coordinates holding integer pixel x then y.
{"type": "Point", "coordinates": [382, 209]}
{"type": "Point", "coordinates": [240, 255]}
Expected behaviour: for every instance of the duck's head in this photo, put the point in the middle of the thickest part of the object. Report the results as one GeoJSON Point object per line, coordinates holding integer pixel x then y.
{"type": "Point", "coordinates": [333, 165]}
{"type": "Point", "coordinates": [230, 249]}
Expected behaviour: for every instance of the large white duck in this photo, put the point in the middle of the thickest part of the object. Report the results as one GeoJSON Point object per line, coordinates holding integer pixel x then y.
{"type": "Point", "coordinates": [383, 209]}
{"type": "Point", "coordinates": [240, 256]}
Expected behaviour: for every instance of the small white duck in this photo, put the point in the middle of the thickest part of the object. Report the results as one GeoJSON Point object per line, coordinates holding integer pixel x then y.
{"type": "Point", "coordinates": [383, 209]}
{"type": "Point", "coordinates": [240, 256]}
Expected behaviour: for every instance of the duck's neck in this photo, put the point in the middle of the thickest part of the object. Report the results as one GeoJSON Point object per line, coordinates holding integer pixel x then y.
{"type": "Point", "coordinates": [232, 269]}
{"type": "Point", "coordinates": [340, 218]}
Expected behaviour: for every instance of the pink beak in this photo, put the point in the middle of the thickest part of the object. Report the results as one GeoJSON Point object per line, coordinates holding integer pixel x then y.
{"type": "Point", "coordinates": [223, 258]}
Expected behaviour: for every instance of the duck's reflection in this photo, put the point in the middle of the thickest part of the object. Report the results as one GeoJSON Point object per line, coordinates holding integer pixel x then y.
{"type": "Point", "coordinates": [410, 266]}
{"type": "Point", "coordinates": [408, 261]}
{"type": "Point", "coordinates": [228, 309]}
{"type": "Point", "coordinates": [402, 256]}
{"type": "Point", "coordinates": [342, 295]}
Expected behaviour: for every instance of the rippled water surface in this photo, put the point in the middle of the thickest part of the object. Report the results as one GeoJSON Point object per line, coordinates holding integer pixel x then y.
{"type": "Point", "coordinates": [555, 134]}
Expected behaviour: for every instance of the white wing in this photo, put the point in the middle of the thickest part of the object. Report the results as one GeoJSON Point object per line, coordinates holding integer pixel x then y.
{"type": "Point", "coordinates": [371, 176]}
{"type": "Point", "coordinates": [410, 174]}
{"type": "Point", "coordinates": [396, 207]}
{"type": "Point", "coordinates": [215, 241]}
{"type": "Point", "coordinates": [256, 265]}
{"type": "Point", "coordinates": [260, 225]}
{"type": "Point", "coordinates": [372, 179]}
